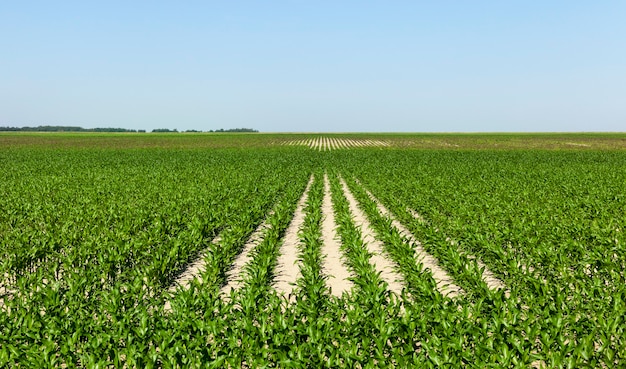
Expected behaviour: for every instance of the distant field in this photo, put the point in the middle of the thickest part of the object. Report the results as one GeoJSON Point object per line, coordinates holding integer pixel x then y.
{"type": "Point", "coordinates": [312, 250]}
{"type": "Point", "coordinates": [499, 141]}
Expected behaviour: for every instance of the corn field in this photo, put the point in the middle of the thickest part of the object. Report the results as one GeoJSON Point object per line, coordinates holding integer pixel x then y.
{"type": "Point", "coordinates": [248, 250]}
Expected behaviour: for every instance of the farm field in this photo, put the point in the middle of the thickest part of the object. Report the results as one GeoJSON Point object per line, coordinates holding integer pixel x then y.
{"type": "Point", "coordinates": [312, 250]}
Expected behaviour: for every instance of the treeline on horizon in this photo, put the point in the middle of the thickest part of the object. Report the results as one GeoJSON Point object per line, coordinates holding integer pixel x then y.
{"type": "Point", "coordinates": [81, 129]}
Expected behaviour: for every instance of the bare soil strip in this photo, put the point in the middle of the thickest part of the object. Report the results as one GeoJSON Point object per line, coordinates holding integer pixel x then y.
{"type": "Point", "coordinates": [577, 144]}
{"type": "Point", "coordinates": [417, 216]}
{"type": "Point", "coordinates": [287, 271]}
{"type": "Point", "coordinates": [193, 271]}
{"type": "Point", "coordinates": [333, 266]}
{"type": "Point", "coordinates": [323, 143]}
{"type": "Point", "coordinates": [234, 276]}
{"type": "Point", "coordinates": [335, 143]}
{"type": "Point", "coordinates": [5, 293]}
{"type": "Point", "coordinates": [488, 277]}
{"type": "Point", "coordinates": [341, 144]}
{"type": "Point", "coordinates": [445, 283]}
{"type": "Point", "coordinates": [493, 282]}
{"type": "Point", "coordinates": [382, 265]}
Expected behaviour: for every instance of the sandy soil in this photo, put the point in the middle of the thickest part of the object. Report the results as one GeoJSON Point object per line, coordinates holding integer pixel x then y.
{"type": "Point", "coordinates": [491, 280]}
{"type": "Point", "coordinates": [323, 143]}
{"type": "Point", "coordinates": [332, 266]}
{"type": "Point", "coordinates": [287, 269]}
{"type": "Point", "coordinates": [577, 144]}
{"type": "Point", "coordinates": [445, 283]}
{"type": "Point", "coordinates": [193, 271]}
{"type": "Point", "coordinates": [374, 247]}
{"type": "Point", "coordinates": [488, 277]}
{"type": "Point", "coordinates": [417, 216]}
{"type": "Point", "coordinates": [8, 291]}
{"type": "Point", "coordinates": [5, 293]}
{"type": "Point", "coordinates": [234, 276]}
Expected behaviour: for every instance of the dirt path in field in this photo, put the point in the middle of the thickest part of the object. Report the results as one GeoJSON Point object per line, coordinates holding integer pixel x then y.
{"type": "Point", "coordinates": [488, 277]}
{"type": "Point", "coordinates": [193, 271]}
{"type": "Point", "coordinates": [577, 144]}
{"type": "Point", "coordinates": [287, 269]}
{"type": "Point", "coordinates": [332, 266]}
{"type": "Point", "coordinates": [5, 293]}
{"type": "Point", "coordinates": [382, 265]}
{"type": "Point", "coordinates": [323, 143]}
{"type": "Point", "coordinates": [445, 283]}
{"type": "Point", "coordinates": [234, 276]}
{"type": "Point", "coordinates": [417, 215]}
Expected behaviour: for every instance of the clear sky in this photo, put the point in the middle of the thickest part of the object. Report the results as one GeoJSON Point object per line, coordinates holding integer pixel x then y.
{"type": "Point", "coordinates": [321, 66]}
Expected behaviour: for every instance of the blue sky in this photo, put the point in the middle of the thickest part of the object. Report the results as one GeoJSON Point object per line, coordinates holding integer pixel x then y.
{"type": "Point", "coordinates": [315, 66]}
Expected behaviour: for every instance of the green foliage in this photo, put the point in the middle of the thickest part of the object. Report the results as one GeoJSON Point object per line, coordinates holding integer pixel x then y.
{"type": "Point", "coordinates": [91, 238]}
{"type": "Point", "coordinates": [65, 129]}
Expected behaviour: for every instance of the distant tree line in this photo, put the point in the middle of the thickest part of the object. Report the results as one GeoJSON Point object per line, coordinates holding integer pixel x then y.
{"type": "Point", "coordinates": [81, 129]}
{"type": "Point", "coordinates": [234, 130]}
{"type": "Point", "coordinates": [66, 129]}
{"type": "Point", "coordinates": [161, 130]}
